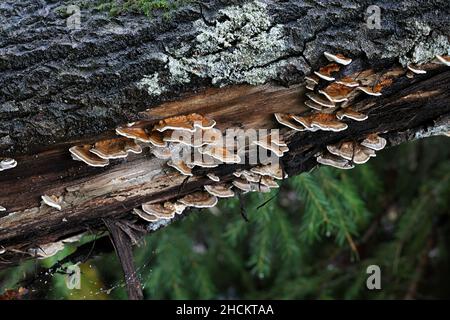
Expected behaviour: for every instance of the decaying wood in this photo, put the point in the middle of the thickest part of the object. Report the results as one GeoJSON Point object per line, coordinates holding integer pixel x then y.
{"type": "Point", "coordinates": [60, 88]}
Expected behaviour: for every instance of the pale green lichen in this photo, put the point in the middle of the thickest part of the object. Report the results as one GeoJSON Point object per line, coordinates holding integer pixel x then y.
{"type": "Point", "coordinates": [243, 47]}
{"type": "Point", "coordinates": [151, 84]}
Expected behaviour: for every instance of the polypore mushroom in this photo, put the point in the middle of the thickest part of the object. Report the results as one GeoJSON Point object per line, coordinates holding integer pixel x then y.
{"type": "Point", "coordinates": [336, 92]}
{"type": "Point", "coordinates": [319, 100]}
{"type": "Point", "coordinates": [325, 72]}
{"type": "Point", "coordinates": [338, 58]}
{"type": "Point", "coordinates": [181, 166]}
{"type": "Point", "coordinates": [286, 120]}
{"type": "Point", "coordinates": [83, 153]}
{"type": "Point", "coordinates": [272, 144]}
{"type": "Point", "coordinates": [322, 121]}
{"type": "Point", "coordinates": [115, 148]}
{"type": "Point", "coordinates": [2, 209]}
{"type": "Point", "coordinates": [221, 153]}
{"type": "Point", "coordinates": [369, 91]}
{"type": "Point", "coordinates": [269, 182]}
{"type": "Point", "coordinates": [156, 138]}
{"type": "Point", "coordinates": [362, 154]}
{"type": "Point", "coordinates": [185, 123]}
{"type": "Point", "coordinates": [242, 185]}
{"type": "Point", "coordinates": [220, 190]}
{"type": "Point", "coordinates": [374, 142]}
{"type": "Point", "coordinates": [329, 159]}
{"type": "Point", "coordinates": [52, 201]}
{"type": "Point", "coordinates": [7, 163]}
{"type": "Point", "coordinates": [444, 60]}
{"type": "Point", "coordinates": [199, 199]}
{"type": "Point", "coordinates": [313, 105]}
{"type": "Point", "coordinates": [163, 211]}
{"type": "Point", "coordinates": [203, 160]}
{"type": "Point", "coordinates": [348, 82]}
{"type": "Point", "coordinates": [273, 170]}
{"type": "Point", "coordinates": [343, 149]}
{"type": "Point", "coordinates": [145, 216]}
{"type": "Point", "coordinates": [213, 177]}
{"type": "Point", "coordinates": [2, 250]}
{"type": "Point", "coordinates": [415, 70]}
{"type": "Point", "coordinates": [351, 114]}
{"type": "Point", "coordinates": [136, 133]}
{"type": "Point", "coordinates": [312, 78]}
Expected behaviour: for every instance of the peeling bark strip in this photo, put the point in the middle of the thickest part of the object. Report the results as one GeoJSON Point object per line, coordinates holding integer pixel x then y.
{"type": "Point", "coordinates": [236, 63]}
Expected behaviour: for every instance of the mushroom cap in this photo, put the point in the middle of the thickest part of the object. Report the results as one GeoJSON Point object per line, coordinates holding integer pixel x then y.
{"type": "Point", "coordinates": [146, 216]}
{"type": "Point", "coordinates": [162, 211]}
{"type": "Point", "coordinates": [84, 154]}
{"type": "Point", "coordinates": [269, 182]}
{"type": "Point", "coordinates": [369, 91]}
{"type": "Point", "coordinates": [348, 82]}
{"type": "Point", "coordinates": [185, 122]}
{"type": "Point", "coordinates": [268, 145]}
{"type": "Point", "coordinates": [338, 58]}
{"type": "Point", "coordinates": [312, 78]}
{"type": "Point", "coordinates": [444, 60]}
{"type": "Point", "coordinates": [136, 133]}
{"type": "Point", "coordinates": [362, 154]}
{"type": "Point", "coordinates": [156, 138]}
{"type": "Point", "coordinates": [213, 177]}
{"type": "Point", "coordinates": [220, 153]}
{"type": "Point", "coordinates": [273, 170]}
{"type": "Point", "coordinates": [319, 100]}
{"type": "Point", "coordinates": [351, 114]}
{"type": "Point", "coordinates": [315, 106]}
{"type": "Point", "coordinates": [374, 142]}
{"type": "Point", "coordinates": [415, 70]}
{"type": "Point", "coordinates": [242, 184]}
{"type": "Point", "coordinates": [329, 159]}
{"type": "Point", "coordinates": [115, 148]}
{"type": "Point", "coordinates": [322, 121]}
{"type": "Point", "coordinates": [310, 86]}
{"type": "Point", "coordinates": [287, 120]}
{"type": "Point", "coordinates": [248, 175]}
{"type": "Point", "coordinates": [220, 190]}
{"type": "Point", "coordinates": [199, 199]}
{"type": "Point", "coordinates": [7, 163]}
{"type": "Point", "coordinates": [52, 201]}
{"type": "Point", "coordinates": [344, 149]}
{"type": "Point", "coordinates": [2, 209]}
{"type": "Point", "coordinates": [336, 92]}
{"type": "Point", "coordinates": [327, 71]}
{"type": "Point", "coordinates": [181, 166]}
{"type": "Point", "coordinates": [204, 161]}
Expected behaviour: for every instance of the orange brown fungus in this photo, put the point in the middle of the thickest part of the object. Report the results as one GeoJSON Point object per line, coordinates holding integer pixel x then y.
{"type": "Point", "coordinates": [323, 121]}
{"type": "Point", "coordinates": [134, 133]}
{"type": "Point", "coordinates": [382, 84]}
{"type": "Point", "coordinates": [185, 122]}
{"type": "Point", "coordinates": [115, 148]}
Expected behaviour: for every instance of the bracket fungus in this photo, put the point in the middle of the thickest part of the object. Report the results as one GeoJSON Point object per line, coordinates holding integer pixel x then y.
{"type": "Point", "coordinates": [180, 166]}
{"type": "Point", "coordinates": [444, 60]}
{"type": "Point", "coordinates": [415, 70]}
{"type": "Point", "coordinates": [220, 190]}
{"type": "Point", "coordinates": [2, 209]}
{"type": "Point", "coordinates": [287, 120]}
{"type": "Point", "coordinates": [242, 185]}
{"type": "Point", "coordinates": [213, 177]}
{"type": "Point", "coordinates": [269, 182]}
{"type": "Point", "coordinates": [145, 216]}
{"type": "Point", "coordinates": [362, 154]}
{"type": "Point", "coordinates": [52, 201]}
{"type": "Point", "coordinates": [326, 72]}
{"type": "Point", "coordinates": [162, 211]}
{"type": "Point", "coordinates": [374, 142]}
{"type": "Point", "coordinates": [185, 122]}
{"type": "Point", "coordinates": [336, 92]}
{"type": "Point", "coordinates": [338, 58]}
{"type": "Point", "coordinates": [319, 100]}
{"type": "Point", "coordinates": [272, 145]}
{"type": "Point", "coordinates": [329, 159]}
{"type": "Point", "coordinates": [220, 153]}
{"type": "Point", "coordinates": [322, 121]}
{"type": "Point", "coordinates": [8, 163]}
{"type": "Point", "coordinates": [136, 133]}
{"type": "Point", "coordinates": [273, 170]}
{"type": "Point", "coordinates": [351, 114]}
{"type": "Point", "coordinates": [348, 82]}
{"type": "Point", "coordinates": [369, 91]}
{"type": "Point", "coordinates": [115, 148]}
{"type": "Point", "coordinates": [83, 153]}
{"type": "Point", "coordinates": [199, 199]}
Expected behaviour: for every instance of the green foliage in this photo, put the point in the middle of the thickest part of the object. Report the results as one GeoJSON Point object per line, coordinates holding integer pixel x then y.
{"type": "Point", "coordinates": [146, 7]}
{"type": "Point", "coordinates": [311, 239]}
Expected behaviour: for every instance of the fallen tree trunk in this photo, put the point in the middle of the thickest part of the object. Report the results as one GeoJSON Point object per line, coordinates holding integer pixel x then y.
{"type": "Point", "coordinates": [237, 63]}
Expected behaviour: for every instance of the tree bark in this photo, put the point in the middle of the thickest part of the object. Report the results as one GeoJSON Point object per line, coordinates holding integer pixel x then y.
{"type": "Point", "coordinates": [237, 62]}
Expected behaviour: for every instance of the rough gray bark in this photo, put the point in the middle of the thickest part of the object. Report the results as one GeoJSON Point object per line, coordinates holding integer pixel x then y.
{"type": "Point", "coordinates": [236, 61]}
